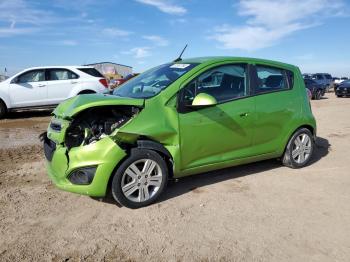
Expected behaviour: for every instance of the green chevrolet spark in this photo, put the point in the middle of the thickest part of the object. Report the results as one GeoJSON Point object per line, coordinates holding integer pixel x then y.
{"type": "Point", "coordinates": [179, 119]}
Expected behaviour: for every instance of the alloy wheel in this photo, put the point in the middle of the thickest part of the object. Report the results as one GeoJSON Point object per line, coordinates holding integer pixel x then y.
{"type": "Point", "coordinates": [141, 180]}
{"type": "Point", "coordinates": [302, 147]}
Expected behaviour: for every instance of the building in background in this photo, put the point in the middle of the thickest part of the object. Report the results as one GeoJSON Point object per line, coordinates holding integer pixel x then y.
{"type": "Point", "coordinates": [112, 70]}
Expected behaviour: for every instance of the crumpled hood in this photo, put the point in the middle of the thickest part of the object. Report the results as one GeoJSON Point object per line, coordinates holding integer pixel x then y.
{"type": "Point", "coordinates": [74, 105]}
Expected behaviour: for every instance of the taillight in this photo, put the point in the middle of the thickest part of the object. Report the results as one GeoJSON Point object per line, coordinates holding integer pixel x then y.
{"type": "Point", "coordinates": [104, 82]}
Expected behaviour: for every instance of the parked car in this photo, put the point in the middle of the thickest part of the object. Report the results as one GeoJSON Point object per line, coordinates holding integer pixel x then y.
{"type": "Point", "coordinates": [181, 118]}
{"type": "Point", "coordinates": [338, 81]}
{"type": "Point", "coordinates": [343, 89]}
{"type": "Point", "coordinates": [323, 79]}
{"type": "Point", "coordinates": [117, 82]}
{"type": "Point", "coordinates": [45, 87]}
{"type": "Point", "coordinates": [317, 90]}
{"type": "Point", "coordinates": [307, 76]}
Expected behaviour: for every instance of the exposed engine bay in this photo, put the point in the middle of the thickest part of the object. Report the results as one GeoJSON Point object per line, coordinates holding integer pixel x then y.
{"type": "Point", "coordinates": [95, 123]}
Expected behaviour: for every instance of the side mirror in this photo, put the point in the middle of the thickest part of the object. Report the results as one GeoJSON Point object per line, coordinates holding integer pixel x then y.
{"type": "Point", "coordinates": [203, 100]}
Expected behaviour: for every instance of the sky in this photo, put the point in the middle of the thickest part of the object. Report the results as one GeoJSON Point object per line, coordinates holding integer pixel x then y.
{"type": "Point", "coordinates": [312, 34]}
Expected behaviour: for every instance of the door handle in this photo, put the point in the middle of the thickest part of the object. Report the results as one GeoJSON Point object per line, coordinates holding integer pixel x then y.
{"type": "Point", "coordinates": [73, 82]}
{"type": "Point", "coordinates": [243, 114]}
{"type": "Point", "coordinates": [41, 85]}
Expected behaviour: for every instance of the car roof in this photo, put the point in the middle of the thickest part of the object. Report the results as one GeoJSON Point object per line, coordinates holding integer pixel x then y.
{"type": "Point", "coordinates": [215, 59]}
{"type": "Point", "coordinates": [60, 66]}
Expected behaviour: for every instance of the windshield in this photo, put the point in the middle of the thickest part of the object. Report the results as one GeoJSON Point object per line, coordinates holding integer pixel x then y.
{"type": "Point", "coordinates": [153, 81]}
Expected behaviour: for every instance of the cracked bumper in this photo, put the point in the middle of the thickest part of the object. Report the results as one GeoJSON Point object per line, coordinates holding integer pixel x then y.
{"type": "Point", "coordinates": [105, 154]}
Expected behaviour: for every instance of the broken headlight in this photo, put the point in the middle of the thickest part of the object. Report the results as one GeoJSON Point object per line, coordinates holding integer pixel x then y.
{"type": "Point", "coordinates": [95, 123]}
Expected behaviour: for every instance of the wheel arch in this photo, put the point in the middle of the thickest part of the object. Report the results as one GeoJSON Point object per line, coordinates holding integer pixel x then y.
{"type": "Point", "coordinates": [148, 144]}
{"type": "Point", "coordinates": [307, 126]}
{"type": "Point", "coordinates": [4, 102]}
{"type": "Point", "coordinates": [311, 128]}
{"type": "Point", "coordinates": [6, 109]}
{"type": "Point", "coordinates": [5, 98]}
{"type": "Point", "coordinates": [86, 91]}
{"type": "Point", "coordinates": [160, 149]}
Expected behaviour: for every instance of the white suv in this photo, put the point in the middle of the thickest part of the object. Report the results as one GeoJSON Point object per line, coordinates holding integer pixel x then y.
{"type": "Point", "coordinates": [45, 87]}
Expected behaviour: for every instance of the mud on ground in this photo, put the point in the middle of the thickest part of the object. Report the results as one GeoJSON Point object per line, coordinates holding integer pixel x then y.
{"type": "Point", "coordinates": [256, 212]}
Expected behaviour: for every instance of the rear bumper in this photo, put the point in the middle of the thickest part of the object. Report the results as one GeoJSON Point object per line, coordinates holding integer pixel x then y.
{"type": "Point", "coordinates": [104, 154]}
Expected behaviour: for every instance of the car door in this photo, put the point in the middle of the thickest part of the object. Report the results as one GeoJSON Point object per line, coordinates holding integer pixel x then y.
{"type": "Point", "coordinates": [29, 89]}
{"type": "Point", "coordinates": [277, 104]}
{"type": "Point", "coordinates": [222, 132]}
{"type": "Point", "coordinates": [61, 81]}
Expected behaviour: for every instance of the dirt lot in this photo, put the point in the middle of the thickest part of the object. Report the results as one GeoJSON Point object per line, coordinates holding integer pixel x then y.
{"type": "Point", "coordinates": [257, 212]}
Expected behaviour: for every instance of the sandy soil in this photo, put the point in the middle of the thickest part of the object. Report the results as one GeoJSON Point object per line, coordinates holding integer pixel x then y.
{"type": "Point", "coordinates": [256, 212]}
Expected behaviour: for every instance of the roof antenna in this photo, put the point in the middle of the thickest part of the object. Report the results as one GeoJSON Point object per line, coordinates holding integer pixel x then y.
{"type": "Point", "coordinates": [179, 58]}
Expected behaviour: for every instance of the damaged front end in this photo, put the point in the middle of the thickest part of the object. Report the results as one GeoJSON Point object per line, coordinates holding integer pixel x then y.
{"type": "Point", "coordinates": [94, 124]}
{"type": "Point", "coordinates": [82, 150]}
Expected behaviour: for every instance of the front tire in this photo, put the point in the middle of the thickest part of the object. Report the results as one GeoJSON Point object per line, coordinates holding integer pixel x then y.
{"type": "Point", "coordinates": [299, 149]}
{"type": "Point", "coordinates": [140, 179]}
{"type": "Point", "coordinates": [3, 109]}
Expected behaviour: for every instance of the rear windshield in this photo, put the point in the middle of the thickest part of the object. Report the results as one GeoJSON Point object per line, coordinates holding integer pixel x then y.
{"type": "Point", "coordinates": [91, 71]}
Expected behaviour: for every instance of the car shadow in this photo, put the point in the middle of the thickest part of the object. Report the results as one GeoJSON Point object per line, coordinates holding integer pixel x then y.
{"type": "Point", "coordinates": [28, 114]}
{"type": "Point", "coordinates": [322, 149]}
{"type": "Point", "coordinates": [191, 183]}
{"type": "Point", "coordinates": [188, 184]}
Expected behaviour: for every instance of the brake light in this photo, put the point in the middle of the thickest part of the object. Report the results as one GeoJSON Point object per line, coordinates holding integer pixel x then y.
{"type": "Point", "coordinates": [103, 81]}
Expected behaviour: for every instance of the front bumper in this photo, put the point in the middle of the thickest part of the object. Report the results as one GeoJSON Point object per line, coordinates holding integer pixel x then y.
{"type": "Point", "coordinates": [342, 92]}
{"type": "Point", "coordinates": [104, 154]}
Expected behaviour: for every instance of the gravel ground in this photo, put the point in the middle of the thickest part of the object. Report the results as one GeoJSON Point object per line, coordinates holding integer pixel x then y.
{"type": "Point", "coordinates": [256, 212]}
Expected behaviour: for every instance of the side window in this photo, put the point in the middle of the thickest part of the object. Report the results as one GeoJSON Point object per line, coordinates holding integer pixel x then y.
{"type": "Point", "coordinates": [32, 76]}
{"type": "Point", "coordinates": [224, 83]}
{"type": "Point", "coordinates": [61, 74]}
{"type": "Point", "coordinates": [271, 79]}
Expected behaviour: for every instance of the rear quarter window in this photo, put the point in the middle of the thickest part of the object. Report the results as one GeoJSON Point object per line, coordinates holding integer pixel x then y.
{"type": "Point", "coordinates": [91, 71]}
{"type": "Point", "coordinates": [272, 79]}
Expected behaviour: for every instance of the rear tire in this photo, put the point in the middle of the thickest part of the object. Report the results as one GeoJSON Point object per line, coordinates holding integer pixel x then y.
{"type": "Point", "coordinates": [299, 149]}
{"type": "Point", "coordinates": [318, 94]}
{"type": "Point", "coordinates": [140, 179]}
{"type": "Point", "coordinates": [3, 109]}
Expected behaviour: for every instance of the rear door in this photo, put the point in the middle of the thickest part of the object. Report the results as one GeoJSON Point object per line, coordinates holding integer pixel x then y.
{"type": "Point", "coordinates": [277, 104]}
{"type": "Point", "coordinates": [29, 89]}
{"type": "Point", "coordinates": [219, 133]}
{"type": "Point", "coordinates": [60, 82]}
